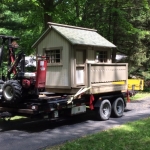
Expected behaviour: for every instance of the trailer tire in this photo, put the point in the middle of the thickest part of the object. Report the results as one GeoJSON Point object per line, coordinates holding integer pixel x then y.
{"type": "Point", "coordinates": [12, 91]}
{"type": "Point", "coordinates": [104, 111]}
{"type": "Point", "coordinates": [118, 108]}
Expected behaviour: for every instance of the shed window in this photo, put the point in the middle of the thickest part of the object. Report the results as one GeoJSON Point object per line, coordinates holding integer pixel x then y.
{"type": "Point", "coordinates": [101, 56]}
{"type": "Point", "coordinates": [54, 56]}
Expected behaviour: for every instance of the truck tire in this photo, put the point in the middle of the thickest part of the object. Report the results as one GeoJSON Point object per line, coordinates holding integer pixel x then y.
{"type": "Point", "coordinates": [104, 111]}
{"type": "Point", "coordinates": [12, 91]}
{"type": "Point", "coordinates": [118, 107]}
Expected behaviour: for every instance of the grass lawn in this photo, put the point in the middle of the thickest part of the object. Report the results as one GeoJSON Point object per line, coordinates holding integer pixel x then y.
{"type": "Point", "coordinates": [15, 118]}
{"type": "Point", "coordinates": [130, 136]}
{"type": "Point", "coordinates": [140, 96]}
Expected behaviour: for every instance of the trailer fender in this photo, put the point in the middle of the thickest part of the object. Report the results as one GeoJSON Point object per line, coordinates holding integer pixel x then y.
{"type": "Point", "coordinates": [111, 98]}
{"type": "Point", "coordinates": [97, 104]}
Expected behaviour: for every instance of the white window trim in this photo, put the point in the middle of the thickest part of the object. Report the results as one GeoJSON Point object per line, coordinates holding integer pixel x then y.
{"type": "Point", "coordinates": [54, 48]}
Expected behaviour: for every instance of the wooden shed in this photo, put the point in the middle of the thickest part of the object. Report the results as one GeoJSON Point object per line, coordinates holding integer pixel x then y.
{"type": "Point", "coordinates": [79, 57]}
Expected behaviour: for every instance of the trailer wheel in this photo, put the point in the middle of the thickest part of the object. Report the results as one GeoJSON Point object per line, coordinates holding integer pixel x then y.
{"type": "Point", "coordinates": [104, 110]}
{"type": "Point", "coordinates": [118, 107]}
{"type": "Point", "coordinates": [12, 91]}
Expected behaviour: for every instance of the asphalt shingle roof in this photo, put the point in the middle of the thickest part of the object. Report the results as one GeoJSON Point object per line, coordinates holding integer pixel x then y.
{"type": "Point", "coordinates": [78, 35]}
{"type": "Point", "coordinates": [82, 36]}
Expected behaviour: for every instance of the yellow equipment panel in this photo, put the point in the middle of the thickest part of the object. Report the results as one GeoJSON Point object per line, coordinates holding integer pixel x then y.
{"type": "Point", "coordinates": [135, 84]}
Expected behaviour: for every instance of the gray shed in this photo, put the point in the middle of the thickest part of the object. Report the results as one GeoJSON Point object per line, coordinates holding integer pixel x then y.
{"type": "Point", "coordinates": [79, 57]}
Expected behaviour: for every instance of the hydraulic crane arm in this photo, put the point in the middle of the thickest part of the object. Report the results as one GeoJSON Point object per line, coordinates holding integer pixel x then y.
{"type": "Point", "coordinates": [12, 59]}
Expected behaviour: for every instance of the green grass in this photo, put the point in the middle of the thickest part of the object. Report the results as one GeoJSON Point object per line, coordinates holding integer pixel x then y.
{"type": "Point", "coordinates": [131, 136]}
{"type": "Point", "coordinates": [140, 96]}
{"type": "Point", "coordinates": [15, 118]}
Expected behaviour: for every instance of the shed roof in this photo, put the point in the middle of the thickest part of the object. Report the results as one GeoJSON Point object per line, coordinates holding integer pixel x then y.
{"type": "Point", "coordinates": [78, 36]}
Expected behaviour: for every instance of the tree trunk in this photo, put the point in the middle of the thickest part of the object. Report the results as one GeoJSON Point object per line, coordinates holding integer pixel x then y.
{"type": "Point", "coordinates": [49, 6]}
{"type": "Point", "coordinates": [115, 35]}
{"type": "Point", "coordinates": [47, 18]}
{"type": "Point", "coordinates": [77, 8]}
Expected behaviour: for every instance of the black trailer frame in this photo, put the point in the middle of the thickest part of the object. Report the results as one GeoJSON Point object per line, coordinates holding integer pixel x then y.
{"type": "Point", "coordinates": [56, 106]}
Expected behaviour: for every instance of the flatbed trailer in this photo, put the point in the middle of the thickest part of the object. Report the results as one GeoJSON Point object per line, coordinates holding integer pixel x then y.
{"type": "Point", "coordinates": [57, 106]}
{"type": "Point", "coordinates": [53, 106]}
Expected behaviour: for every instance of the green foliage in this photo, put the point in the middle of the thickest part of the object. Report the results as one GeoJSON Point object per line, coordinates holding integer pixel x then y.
{"type": "Point", "coordinates": [3, 69]}
{"type": "Point", "coordinates": [20, 18]}
{"type": "Point", "coordinates": [125, 23]}
{"type": "Point", "coordinates": [147, 89]}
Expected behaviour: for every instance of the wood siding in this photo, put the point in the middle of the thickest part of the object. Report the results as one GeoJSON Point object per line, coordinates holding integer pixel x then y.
{"type": "Point", "coordinates": [107, 73]}
{"type": "Point", "coordinates": [101, 77]}
{"type": "Point", "coordinates": [101, 73]}
{"type": "Point", "coordinates": [57, 75]}
{"type": "Point", "coordinates": [72, 66]}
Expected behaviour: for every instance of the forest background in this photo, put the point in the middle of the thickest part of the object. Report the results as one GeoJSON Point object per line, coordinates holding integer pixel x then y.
{"type": "Point", "coordinates": [126, 23]}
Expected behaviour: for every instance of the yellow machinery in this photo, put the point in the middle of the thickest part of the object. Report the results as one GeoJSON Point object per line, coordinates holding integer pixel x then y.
{"type": "Point", "coordinates": [133, 84]}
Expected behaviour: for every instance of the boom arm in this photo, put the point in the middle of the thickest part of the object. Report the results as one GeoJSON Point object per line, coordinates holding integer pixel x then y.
{"type": "Point", "coordinates": [12, 61]}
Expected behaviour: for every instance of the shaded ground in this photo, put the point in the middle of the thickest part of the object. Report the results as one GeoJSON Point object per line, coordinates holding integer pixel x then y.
{"type": "Point", "coordinates": [26, 134]}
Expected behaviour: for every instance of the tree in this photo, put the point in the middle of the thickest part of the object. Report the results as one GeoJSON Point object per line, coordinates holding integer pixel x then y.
{"type": "Point", "coordinates": [18, 19]}
{"type": "Point", "coordinates": [126, 23]}
{"type": "Point", "coordinates": [49, 7]}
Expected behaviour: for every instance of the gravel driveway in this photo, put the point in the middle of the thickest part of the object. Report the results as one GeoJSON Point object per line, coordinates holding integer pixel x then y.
{"type": "Point", "coordinates": [28, 135]}
{"type": "Point", "coordinates": [139, 104]}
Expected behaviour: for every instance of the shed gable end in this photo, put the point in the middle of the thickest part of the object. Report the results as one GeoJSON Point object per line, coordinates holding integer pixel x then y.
{"type": "Point", "coordinates": [57, 71]}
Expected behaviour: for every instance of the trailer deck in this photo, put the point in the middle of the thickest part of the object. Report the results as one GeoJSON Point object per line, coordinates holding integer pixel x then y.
{"type": "Point", "coordinates": [44, 106]}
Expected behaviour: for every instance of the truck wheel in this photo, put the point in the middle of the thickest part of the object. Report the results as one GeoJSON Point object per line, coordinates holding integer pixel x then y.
{"type": "Point", "coordinates": [104, 110]}
{"type": "Point", "coordinates": [118, 107]}
{"type": "Point", "coordinates": [12, 91]}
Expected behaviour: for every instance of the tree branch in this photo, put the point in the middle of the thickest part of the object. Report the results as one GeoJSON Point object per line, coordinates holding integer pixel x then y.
{"type": "Point", "coordinates": [41, 2]}
{"type": "Point", "coordinates": [58, 2]}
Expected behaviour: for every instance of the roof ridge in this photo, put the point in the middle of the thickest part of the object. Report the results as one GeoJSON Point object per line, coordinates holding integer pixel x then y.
{"type": "Point", "coordinates": [69, 26]}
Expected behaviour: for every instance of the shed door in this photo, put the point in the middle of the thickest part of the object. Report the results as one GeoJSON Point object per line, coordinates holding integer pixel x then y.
{"type": "Point", "coordinates": [80, 67]}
